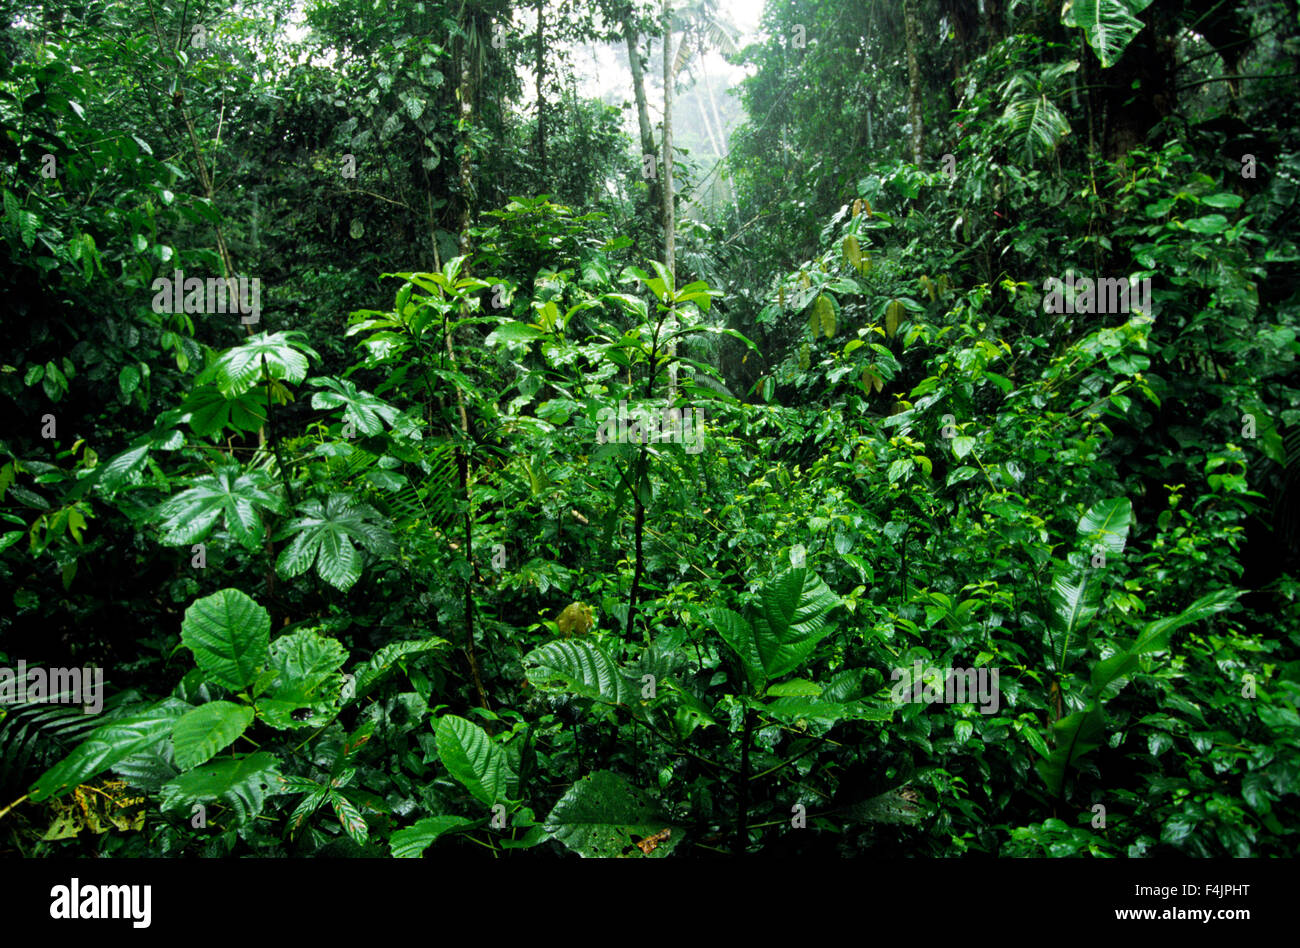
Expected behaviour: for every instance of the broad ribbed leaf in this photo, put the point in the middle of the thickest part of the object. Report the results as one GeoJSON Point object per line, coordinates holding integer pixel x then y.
{"type": "Point", "coordinates": [795, 688]}
{"type": "Point", "coordinates": [324, 534]}
{"type": "Point", "coordinates": [601, 815]}
{"type": "Point", "coordinates": [822, 319]}
{"type": "Point", "coordinates": [201, 733]}
{"type": "Point", "coordinates": [820, 711]}
{"type": "Point", "coordinates": [411, 843]}
{"type": "Point", "coordinates": [579, 667]}
{"type": "Point", "coordinates": [117, 471]}
{"type": "Point", "coordinates": [106, 745]}
{"type": "Point", "coordinates": [230, 493]}
{"type": "Point", "coordinates": [790, 621]}
{"type": "Point", "coordinates": [228, 634]}
{"type": "Point", "coordinates": [739, 634]}
{"type": "Point", "coordinates": [242, 784]}
{"type": "Point", "coordinates": [307, 678]}
{"type": "Point", "coordinates": [1108, 25]}
{"type": "Point", "coordinates": [894, 314]}
{"type": "Point", "coordinates": [471, 756]}
{"type": "Point", "coordinates": [889, 807]}
{"type": "Point", "coordinates": [1107, 523]}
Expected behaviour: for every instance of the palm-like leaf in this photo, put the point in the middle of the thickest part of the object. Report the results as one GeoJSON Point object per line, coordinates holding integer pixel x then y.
{"type": "Point", "coordinates": [240, 368]}
{"type": "Point", "coordinates": [324, 534]}
{"type": "Point", "coordinates": [1034, 120]}
{"type": "Point", "coordinates": [228, 493]}
{"type": "Point", "coordinates": [362, 409]}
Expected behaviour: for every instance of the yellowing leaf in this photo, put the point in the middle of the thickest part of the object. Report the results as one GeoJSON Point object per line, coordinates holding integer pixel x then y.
{"type": "Point", "coordinates": [823, 317]}
{"type": "Point", "coordinates": [803, 357]}
{"type": "Point", "coordinates": [857, 207]}
{"type": "Point", "coordinates": [853, 252]}
{"type": "Point", "coordinates": [871, 380]}
{"type": "Point", "coordinates": [893, 316]}
{"type": "Point", "coordinates": [804, 280]}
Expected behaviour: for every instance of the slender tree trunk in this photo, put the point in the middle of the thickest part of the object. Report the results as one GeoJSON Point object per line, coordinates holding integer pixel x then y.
{"type": "Point", "coordinates": [462, 459]}
{"type": "Point", "coordinates": [642, 108]}
{"type": "Point", "coordinates": [913, 78]}
{"type": "Point", "coordinates": [670, 249]}
{"type": "Point", "coordinates": [541, 75]}
{"type": "Point", "coordinates": [466, 144]}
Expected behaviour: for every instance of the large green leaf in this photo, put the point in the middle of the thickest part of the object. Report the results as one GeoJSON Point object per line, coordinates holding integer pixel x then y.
{"type": "Point", "coordinates": [1083, 731]}
{"type": "Point", "coordinates": [228, 634]}
{"type": "Point", "coordinates": [366, 412]}
{"type": "Point", "coordinates": [324, 533]}
{"type": "Point", "coordinates": [117, 471]}
{"type": "Point", "coordinates": [600, 814]}
{"type": "Point", "coordinates": [307, 679]}
{"type": "Point", "coordinates": [1035, 120]}
{"type": "Point", "coordinates": [210, 411]}
{"type": "Point", "coordinates": [888, 807]}
{"type": "Point", "coordinates": [242, 784]}
{"type": "Point", "coordinates": [1108, 25]}
{"type": "Point", "coordinates": [212, 727]}
{"type": "Point", "coordinates": [787, 625]}
{"type": "Point", "coordinates": [240, 368]}
{"type": "Point", "coordinates": [1107, 522]}
{"type": "Point", "coordinates": [229, 493]}
{"type": "Point", "coordinates": [1076, 735]}
{"type": "Point", "coordinates": [1074, 596]}
{"type": "Point", "coordinates": [411, 843]}
{"type": "Point", "coordinates": [473, 758]}
{"type": "Point", "coordinates": [1155, 637]}
{"type": "Point", "coordinates": [106, 746]}
{"type": "Point", "coordinates": [580, 667]}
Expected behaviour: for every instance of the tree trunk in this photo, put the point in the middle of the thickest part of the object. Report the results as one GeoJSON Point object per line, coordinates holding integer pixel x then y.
{"type": "Point", "coordinates": [642, 108]}
{"type": "Point", "coordinates": [466, 93]}
{"type": "Point", "coordinates": [670, 249]}
{"type": "Point", "coordinates": [541, 74]}
{"type": "Point", "coordinates": [913, 78]}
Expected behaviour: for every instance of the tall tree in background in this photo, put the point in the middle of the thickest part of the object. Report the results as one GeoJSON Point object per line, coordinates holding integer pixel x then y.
{"type": "Point", "coordinates": [913, 78]}
{"type": "Point", "coordinates": [670, 244]}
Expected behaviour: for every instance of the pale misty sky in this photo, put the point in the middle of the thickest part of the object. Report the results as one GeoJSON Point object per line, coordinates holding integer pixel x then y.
{"type": "Point", "coordinates": [603, 74]}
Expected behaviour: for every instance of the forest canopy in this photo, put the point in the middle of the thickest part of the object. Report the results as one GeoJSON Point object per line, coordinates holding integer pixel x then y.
{"type": "Point", "coordinates": [636, 429]}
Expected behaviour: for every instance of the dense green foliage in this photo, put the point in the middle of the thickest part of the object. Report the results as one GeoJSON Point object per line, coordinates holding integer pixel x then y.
{"type": "Point", "coordinates": [387, 569]}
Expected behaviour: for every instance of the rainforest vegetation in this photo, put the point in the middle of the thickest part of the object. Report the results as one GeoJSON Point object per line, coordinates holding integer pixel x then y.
{"type": "Point", "coordinates": [649, 428]}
